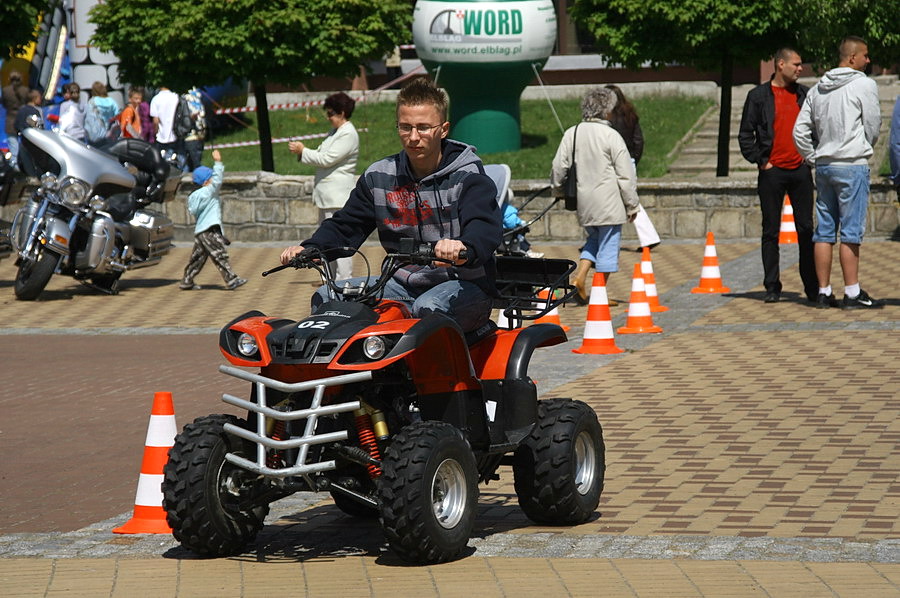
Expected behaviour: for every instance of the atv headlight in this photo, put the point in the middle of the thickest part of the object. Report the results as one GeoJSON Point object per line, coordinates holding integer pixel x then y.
{"type": "Point", "coordinates": [74, 192]}
{"type": "Point", "coordinates": [246, 345]}
{"type": "Point", "coordinates": [374, 347]}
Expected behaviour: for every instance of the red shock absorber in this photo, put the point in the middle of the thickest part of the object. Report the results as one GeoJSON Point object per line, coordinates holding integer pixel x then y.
{"type": "Point", "coordinates": [274, 458]}
{"type": "Point", "coordinates": [367, 440]}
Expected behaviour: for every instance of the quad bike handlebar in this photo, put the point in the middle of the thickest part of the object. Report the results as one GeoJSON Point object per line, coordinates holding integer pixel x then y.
{"type": "Point", "coordinates": [410, 252]}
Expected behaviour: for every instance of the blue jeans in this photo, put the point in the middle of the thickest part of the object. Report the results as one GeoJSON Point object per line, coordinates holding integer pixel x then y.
{"type": "Point", "coordinates": [602, 247]}
{"type": "Point", "coordinates": [843, 196]}
{"type": "Point", "coordinates": [461, 300]}
{"type": "Point", "coordinates": [12, 142]}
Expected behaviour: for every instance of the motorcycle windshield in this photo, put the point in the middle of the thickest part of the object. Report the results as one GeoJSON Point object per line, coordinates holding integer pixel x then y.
{"type": "Point", "coordinates": [64, 156]}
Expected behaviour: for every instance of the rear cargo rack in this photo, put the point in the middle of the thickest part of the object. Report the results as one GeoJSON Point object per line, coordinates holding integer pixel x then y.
{"type": "Point", "coordinates": [520, 279]}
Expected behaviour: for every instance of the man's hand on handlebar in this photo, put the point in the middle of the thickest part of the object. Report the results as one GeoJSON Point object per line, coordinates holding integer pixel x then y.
{"type": "Point", "coordinates": [448, 249]}
{"type": "Point", "coordinates": [288, 254]}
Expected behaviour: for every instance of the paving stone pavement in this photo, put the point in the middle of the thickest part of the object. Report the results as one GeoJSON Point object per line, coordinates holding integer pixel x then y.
{"type": "Point", "coordinates": [752, 449]}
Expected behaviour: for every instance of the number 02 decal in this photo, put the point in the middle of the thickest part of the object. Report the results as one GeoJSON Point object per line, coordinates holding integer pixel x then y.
{"type": "Point", "coordinates": [318, 324]}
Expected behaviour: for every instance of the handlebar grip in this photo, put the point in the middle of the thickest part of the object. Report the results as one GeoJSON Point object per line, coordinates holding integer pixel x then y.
{"type": "Point", "coordinates": [276, 269]}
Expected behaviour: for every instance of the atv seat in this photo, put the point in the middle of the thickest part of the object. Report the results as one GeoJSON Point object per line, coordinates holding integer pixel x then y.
{"type": "Point", "coordinates": [520, 279]}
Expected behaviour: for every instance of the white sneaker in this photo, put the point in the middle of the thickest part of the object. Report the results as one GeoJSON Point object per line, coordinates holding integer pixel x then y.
{"type": "Point", "coordinates": [534, 254]}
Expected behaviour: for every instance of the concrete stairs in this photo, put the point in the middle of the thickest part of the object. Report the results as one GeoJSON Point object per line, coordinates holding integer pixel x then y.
{"type": "Point", "coordinates": [695, 155]}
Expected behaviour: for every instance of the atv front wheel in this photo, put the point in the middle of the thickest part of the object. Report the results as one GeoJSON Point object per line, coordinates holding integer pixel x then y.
{"type": "Point", "coordinates": [428, 492]}
{"type": "Point", "coordinates": [559, 468]}
{"type": "Point", "coordinates": [212, 505]}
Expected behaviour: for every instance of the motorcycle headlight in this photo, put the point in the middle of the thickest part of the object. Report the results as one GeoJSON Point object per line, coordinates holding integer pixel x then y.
{"type": "Point", "coordinates": [74, 192]}
{"type": "Point", "coordinates": [373, 347]}
{"type": "Point", "coordinates": [246, 345]}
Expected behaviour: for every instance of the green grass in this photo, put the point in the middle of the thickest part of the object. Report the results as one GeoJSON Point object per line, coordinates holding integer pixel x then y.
{"type": "Point", "coordinates": [664, 120]}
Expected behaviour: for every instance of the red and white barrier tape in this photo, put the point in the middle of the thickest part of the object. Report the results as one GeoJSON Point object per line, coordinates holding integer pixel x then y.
{"type": "Point", "coordinates": [274, 140]}
{"type": "Point", "coordinates": [294, 105]}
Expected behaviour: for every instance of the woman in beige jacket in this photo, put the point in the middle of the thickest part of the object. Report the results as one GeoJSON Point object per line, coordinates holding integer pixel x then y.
{"type": "Point", "coordinates": [335, 162]}
{"type": "Point", "coordinates": [607, 189]}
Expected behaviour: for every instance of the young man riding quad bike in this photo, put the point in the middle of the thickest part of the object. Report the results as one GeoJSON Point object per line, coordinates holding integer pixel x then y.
{"type": "Point", "coordinates": [396, 396]}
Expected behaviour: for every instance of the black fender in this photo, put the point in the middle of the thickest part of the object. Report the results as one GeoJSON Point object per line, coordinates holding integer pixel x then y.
{"type": "Point", "coordinates": [536, 335]}
{"type": "Point", "coordinates": [424, 329]}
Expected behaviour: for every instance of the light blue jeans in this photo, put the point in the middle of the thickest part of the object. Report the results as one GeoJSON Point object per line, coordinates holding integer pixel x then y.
{"type": "Point", "coordinates": [602, 247]}
{"type": "Point", "coordinates": [842, 198]}
{"type": "Point", "coordinates": [461, 300]}
{"type": "Point", "coordinates": [12, 142]}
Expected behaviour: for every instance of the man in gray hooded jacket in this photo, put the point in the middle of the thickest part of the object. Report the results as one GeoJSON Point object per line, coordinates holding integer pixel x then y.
{"type": "Point", "coordinates": [434, 191]}
{"type": "Point", "coordinates": [836, 130]}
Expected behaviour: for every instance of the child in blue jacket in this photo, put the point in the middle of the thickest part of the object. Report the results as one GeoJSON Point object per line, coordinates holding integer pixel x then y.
{"type": "Point", "coordinates": [209, 242]}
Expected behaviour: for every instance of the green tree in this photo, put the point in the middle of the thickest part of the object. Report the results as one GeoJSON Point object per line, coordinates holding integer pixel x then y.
{"type": "Point", "coordinates": [707, 34]}
{"type": "Point", "coordinates": [821, 24]}
{"type": "Point", "coordinates": [719, 34]}
{"type": "Point", "coordinates": [19, 23]}
{"type": "Point", "coordinates": [181, 43]}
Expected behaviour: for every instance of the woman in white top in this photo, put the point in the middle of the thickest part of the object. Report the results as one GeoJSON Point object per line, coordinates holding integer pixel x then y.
{"type": "Point", "coordinates": [607, 187]}
{"type": "Point", "coordinates": [335, 163]}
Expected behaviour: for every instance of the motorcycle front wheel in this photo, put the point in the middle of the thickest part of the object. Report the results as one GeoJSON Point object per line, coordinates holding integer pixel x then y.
{"type": "Point", "coordinates": [33, 275]}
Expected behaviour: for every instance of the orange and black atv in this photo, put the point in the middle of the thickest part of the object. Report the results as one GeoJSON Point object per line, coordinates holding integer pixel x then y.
{"type": "Point", "coordinates": [396, 417]}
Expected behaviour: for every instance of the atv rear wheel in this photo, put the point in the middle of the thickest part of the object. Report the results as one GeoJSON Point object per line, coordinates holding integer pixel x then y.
{"type": "Point", "coordinates": [559, 468]}
{"type": "Point", "coordinates": [428, 492]}
{"type": "Point", "coordinates": [211, 504]}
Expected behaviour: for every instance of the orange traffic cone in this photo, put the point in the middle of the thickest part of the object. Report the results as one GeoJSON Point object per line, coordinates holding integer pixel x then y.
{"type": "Point", "coordinates": [598, 331]}
{"type": "Point", "coordinates": [710, 277]}
{"type": "Point", "coordinates": [149, 515]}
{"type": "Point", "coordinates": [639, 318]}
{"type": "Point", "coordinates": [650, 282]}
{"type": "Point", "coordinates": [552, 316]}
{"type": "Point", "coordinates": [788, 233]}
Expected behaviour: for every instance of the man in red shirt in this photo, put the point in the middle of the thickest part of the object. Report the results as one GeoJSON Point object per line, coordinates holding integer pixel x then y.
{"type": "Point", "coordinates": [766, 140]}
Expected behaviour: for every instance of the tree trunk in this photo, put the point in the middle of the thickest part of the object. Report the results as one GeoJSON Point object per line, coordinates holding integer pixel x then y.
{"type": "Point", "coordinates": [725, 114]}
{"type": "Point", "coordinates": [266, 159]}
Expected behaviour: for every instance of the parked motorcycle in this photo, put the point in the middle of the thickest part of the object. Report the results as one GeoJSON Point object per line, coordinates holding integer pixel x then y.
{"type": "Point", "coordinates": [89, 219]}
{"type": "Point", "coordinates": [11, 183]}
{"type": "Point", "coordinates": [396, 417]}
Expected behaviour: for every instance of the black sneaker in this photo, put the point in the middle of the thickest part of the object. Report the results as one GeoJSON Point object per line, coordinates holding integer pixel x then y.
{"type": "Point", "coordinates": [824, 301]}
{"type": "Point", "coordinates": [861, 301]}
{"type": "Point", "coordinates": [772, 297]}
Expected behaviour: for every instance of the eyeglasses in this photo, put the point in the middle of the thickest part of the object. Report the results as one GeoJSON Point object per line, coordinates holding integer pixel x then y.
{"type": "Point", "coordinates": [329, 112]}
{"type": "Point", "coordinates": [407, 129]}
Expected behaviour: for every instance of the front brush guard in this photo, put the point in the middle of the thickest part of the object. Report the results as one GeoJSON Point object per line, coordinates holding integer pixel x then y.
{"type": "Point", "coordinates": [311, 415]}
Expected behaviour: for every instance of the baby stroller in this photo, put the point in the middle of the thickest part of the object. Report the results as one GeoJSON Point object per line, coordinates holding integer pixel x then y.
{"type": "Point", "coordinates": [514, 228]}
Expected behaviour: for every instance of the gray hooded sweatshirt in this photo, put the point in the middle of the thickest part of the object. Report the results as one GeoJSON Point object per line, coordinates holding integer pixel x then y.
{"type": "Point", "coordinates": [840, 119]}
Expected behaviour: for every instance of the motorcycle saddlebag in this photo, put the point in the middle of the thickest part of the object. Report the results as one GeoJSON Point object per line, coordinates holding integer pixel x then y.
{"type": "Point", "coordinates": [151, 233]}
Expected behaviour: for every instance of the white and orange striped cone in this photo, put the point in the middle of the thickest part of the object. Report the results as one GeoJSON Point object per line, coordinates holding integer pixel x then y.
{"type": "Point", "coordinates": [598, 330]}
{"type": "Point", "coordinates": [787, 235]}
{"type": "Point", "coordinates": [710, 276]}
{"type": "Point", "coordinates": [639, 318]}
{"type": "Point", "coordinates": [650, 282]}
{"type": "Point", "coordinates": [149, 516]}
{"type": "Point", "coordinates": [552, 316]}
